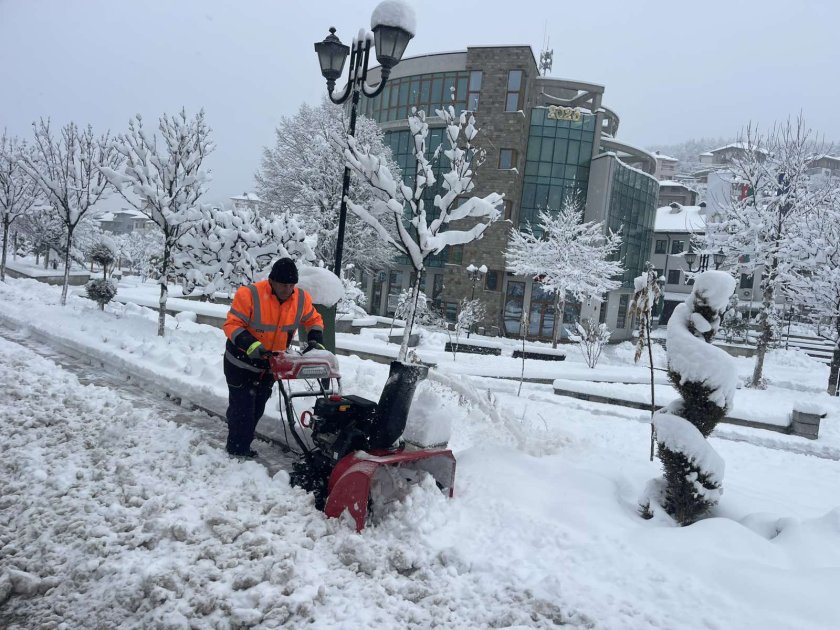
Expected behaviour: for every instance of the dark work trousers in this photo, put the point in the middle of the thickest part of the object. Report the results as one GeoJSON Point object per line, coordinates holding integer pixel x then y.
{"type": "Point", "coordinates": [248, 393]}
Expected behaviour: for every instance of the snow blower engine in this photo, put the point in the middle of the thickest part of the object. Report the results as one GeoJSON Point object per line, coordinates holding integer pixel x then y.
{"type": "Point", "coordinates": [353, 459]}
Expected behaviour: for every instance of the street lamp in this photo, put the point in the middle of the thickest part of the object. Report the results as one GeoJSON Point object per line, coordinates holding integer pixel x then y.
{"type": "Point", "coordinates": [474, 273]}
{"type": "Point", "coordinates": [690, 258]}
{"type": "Point", "coordinates": [392, 23]}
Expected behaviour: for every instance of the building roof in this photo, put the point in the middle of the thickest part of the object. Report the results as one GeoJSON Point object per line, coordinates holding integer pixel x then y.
{"type": "Point", "coordinates": [672, 182]}
{"type": "Point", "coordinates": [665, 158]}
{"type": "Point", "coordinates": [677, 218]}
{"type": "Point", "coordinates": [743, 146]}
{"type": "Point", "coordinates": [246, 196]}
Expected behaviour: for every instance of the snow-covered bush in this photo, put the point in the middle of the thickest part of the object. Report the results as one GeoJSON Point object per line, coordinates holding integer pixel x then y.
{"type": "Point", "coordinates": [591, 339]}
{"type": "Point", "coordinates": [470, 312]}
{"type": "Point", "coordinates": [705, 377]}
{"type": "Point", "coordinates": [354, 296]}
{"type": "Point", "coordinates": [101, 291]}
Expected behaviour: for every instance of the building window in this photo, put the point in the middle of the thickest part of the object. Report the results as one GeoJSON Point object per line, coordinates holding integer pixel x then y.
{"type": "Point", "coordinates": [456, 254]}
{"type": "Point", "coordinates": [451, 311]}
{"type": "Point", "coordinates": [491, 280]}
{"type": "Point", "coordinates": [660, 246]}
{"type": "Point", "coordinates": [659, 273]}
{"type": "Point", "coordinates": [473, 93]}
{"type": "Point", "coordinates": [513, 98]}
{"type": "Point", "coordinates": [602, 316]}
{"type": "Point", "coordinates": [623, 304]}
{"type": "Point", "coordinates": [746, 281]}
{"type": "Point", "coordinates": [508, 208]}
{"type": "Point", "coordinates": [677, 247]}
{"type": "Point", "coordinates": [513, 307]}
{"type": "Point", "coordinates": [506, 159]}
{"type": "Point", "coordinates": [674, 276]}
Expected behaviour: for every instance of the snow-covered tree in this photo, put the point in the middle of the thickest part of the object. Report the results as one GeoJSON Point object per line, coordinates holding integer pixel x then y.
{"type": "Point", "coordinates": [68, 171]}
{"type": "Point", "coordinates": [568, 256]}
{"type": "Point", "coordinates": [648, 290]}
{"type": "Point", "coordinates": [103, 253]}
{"type": "Point", "coordinates": [706, 378]}
{"type": "Point", "coordinates": [163, 178]}
{"type": "Point", "coordinates": [102, 290]}
{"type": "Point", "coordinates": [44, 230]}
{"type": "Point", "coordinates": [816, 275]}
{"type": "Point", "coordinates": [398, 207]}
{"type": "Point", "coordinates": [302, 175]}
{"type": "Point", "coordinates": [231, 247]}
{"type": "Point", "coordinates": [757, 227]}
{"type": "Point", "coordinates": [139, 248]}
{"type": "Point", "coordinates": [18, 191]}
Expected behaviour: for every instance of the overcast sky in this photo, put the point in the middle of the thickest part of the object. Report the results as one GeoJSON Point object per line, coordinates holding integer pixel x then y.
{"type": "Point", "coordinates": [672, 70]}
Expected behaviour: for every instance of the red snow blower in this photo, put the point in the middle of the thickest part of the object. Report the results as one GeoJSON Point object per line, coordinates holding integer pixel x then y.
{"type": "Point", "coordinates": [353, 460]}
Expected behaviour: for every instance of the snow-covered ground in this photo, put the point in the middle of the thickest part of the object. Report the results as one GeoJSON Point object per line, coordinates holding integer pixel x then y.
{"type": "Point", "coordinates": [114, 515]}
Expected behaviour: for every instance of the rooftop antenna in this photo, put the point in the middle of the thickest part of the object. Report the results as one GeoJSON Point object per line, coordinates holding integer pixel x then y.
{"type": "Point", "coordinates": [546, 55]}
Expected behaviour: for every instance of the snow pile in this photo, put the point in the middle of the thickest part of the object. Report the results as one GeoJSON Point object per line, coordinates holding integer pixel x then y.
{"type": "Point", "coordinates": [324, 286]}
{"type": "Point", "coordinates": [428, 422]}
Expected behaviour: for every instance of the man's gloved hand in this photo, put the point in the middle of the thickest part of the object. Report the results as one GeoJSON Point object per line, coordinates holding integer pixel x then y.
{"type": "Point", "coordinates": [313, 345]}
{"type": "Point", "coordinates": [256, 351]}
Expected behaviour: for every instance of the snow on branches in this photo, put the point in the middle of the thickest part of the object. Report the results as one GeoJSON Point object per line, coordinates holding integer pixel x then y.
{"type": "Point", "coordinates": [705, 377]}
{"type": "Point", "coordinates": [568, 256]}
{"type": "Point", "coordinates": [68, 171]}
{"type": "Point", "coordinates": [230, 248]}
{"type": "Point", "coordinates": [398, 212]}
{"type": "Point", "coordinates": [18, 191]}
{"type": "Point", "coordinates": [302, 174]}
{"type": "Point", "coordinates": [758, 226]}
{"type": "Point", "coordinates": [163, 178]}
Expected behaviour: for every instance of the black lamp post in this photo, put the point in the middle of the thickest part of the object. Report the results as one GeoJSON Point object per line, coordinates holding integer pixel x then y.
{"type": "Point", "coordinates": [703, 263]}
{"type": "Point", "coordinates": [390, 43]}
{"type": "Point", "coordinates": [790, 310]}
{"type": "Point", "coordinates": [474, 273]}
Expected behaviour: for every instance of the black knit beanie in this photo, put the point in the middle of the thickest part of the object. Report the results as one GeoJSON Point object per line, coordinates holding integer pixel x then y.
{"type": "Point", "coordinates": [285, 271]}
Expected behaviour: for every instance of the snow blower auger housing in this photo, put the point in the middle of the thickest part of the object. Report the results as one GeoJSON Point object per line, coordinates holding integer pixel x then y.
{"type": "Point", "coordinates": [352, 459]}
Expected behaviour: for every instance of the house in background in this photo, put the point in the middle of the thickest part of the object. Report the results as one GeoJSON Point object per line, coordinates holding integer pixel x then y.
{"type": "Point", "coordinates": [247, 201]}
{"type": "Point", "coordinates": [124, 221]}
{"type": "Point", "coordinates": [671, 191]}
{"type": "Point", "coordinates": [666, 166]}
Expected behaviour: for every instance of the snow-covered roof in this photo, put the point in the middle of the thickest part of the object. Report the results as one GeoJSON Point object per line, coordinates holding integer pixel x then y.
{"type": "Point", "coordinates": [665, 158]}
{"type": "Point", "coordinates": [246, 196]}
{"type": "Point", "coordinates": [673, 182]}
{"type": "Point", "coordinates": [688, 219]}
{"type": "Point", "coordinates": [744, 146]}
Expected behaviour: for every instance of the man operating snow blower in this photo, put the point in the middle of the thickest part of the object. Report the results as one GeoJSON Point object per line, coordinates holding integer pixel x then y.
{"type": "Point", "coordinates": [262, 319]}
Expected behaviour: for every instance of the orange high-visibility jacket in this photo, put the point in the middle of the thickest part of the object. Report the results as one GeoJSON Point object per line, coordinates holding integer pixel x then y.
{"type": "Point", "coordinates": [257, 310]}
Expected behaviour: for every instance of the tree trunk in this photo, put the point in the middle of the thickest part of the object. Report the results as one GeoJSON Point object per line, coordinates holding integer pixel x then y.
{"type": "Point", "coordinates": [765, 336]}
{"type": "Point", "coordinates": [164, 291]}
{"type": "Point", "coordinates": [409, 321]}
{"type": "Point", "coordinates": [559, 307]}
{"type": "Point", "coordinates": [66, 267]}
{"type": "Point", "coordinates": [5, 246]}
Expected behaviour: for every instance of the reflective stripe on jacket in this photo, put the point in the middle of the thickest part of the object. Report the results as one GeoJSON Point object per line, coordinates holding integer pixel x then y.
{"type": "Point", "coordinates": [255, 310]}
